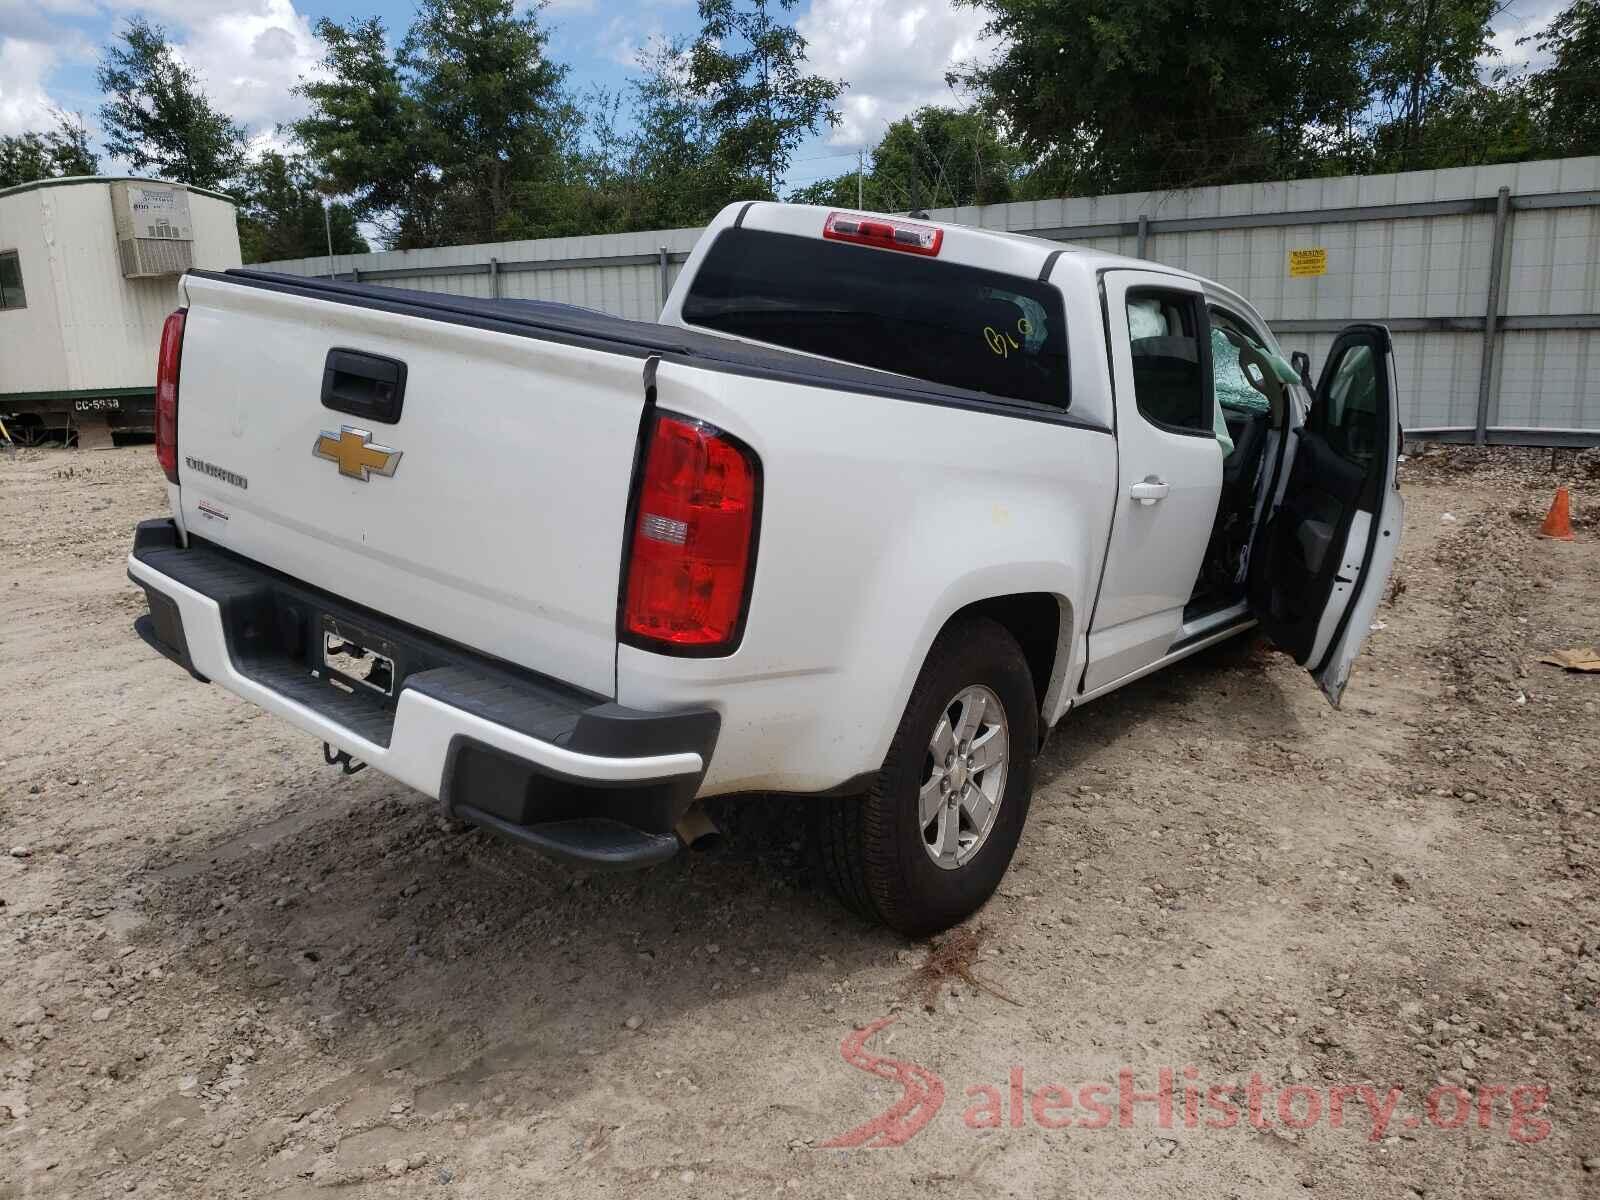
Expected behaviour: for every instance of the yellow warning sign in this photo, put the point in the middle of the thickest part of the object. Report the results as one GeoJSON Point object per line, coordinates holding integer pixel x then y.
{"type": "Point", "coordinates": [1308, 262]}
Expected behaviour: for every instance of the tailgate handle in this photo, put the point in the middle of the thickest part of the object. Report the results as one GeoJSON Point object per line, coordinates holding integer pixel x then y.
{"type": "Point", "coordinates": [364, 385]}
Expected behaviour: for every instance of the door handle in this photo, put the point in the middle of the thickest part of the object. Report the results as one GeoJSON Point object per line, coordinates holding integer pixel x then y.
{"type": "Point", "coordinates": [1148, 491]}
{"type": "Point", "coordinates": [364, 385]}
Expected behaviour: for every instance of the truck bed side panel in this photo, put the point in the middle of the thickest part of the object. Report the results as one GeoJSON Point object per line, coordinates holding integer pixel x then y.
{"type": "Point", "coordinates": [880, 519]}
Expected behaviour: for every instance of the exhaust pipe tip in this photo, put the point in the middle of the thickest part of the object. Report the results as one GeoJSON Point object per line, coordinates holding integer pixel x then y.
{"type": "Point", "coordinates": [696, 830]}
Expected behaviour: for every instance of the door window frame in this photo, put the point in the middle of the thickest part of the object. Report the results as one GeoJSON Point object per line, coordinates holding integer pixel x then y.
{"type": "Point", "coordinates": [1201, 317]}
{"type": "Point", "coordinates": [1381, 345]}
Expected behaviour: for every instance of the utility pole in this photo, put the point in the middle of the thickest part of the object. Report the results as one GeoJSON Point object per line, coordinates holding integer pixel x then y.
{"type": "Point", "coordinates": [860, 160]}
{"type": "Point", "coordinates": [327, 227]}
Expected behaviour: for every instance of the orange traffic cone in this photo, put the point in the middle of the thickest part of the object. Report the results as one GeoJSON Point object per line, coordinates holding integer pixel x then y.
{"type": "Point", "coordinates": [1558, 521]}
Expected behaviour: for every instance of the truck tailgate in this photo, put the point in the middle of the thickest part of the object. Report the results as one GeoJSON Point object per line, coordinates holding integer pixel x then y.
{"type": "Point", "coordinates": [501, 524]}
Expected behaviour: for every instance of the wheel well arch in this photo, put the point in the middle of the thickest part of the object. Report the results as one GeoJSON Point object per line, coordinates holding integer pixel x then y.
{"type": "Point", "coordinates": [1041, 623]}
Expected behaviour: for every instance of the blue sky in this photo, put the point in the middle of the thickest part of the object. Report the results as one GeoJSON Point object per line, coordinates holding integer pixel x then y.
{"type": "Point", "coordinates": [251, 52]}
{"type": "Point", "coordinates": [894, 53]}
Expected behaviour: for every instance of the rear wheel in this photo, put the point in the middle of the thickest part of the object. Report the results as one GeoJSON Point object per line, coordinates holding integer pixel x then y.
{"type": "Point", "coordinates": [929, 843]}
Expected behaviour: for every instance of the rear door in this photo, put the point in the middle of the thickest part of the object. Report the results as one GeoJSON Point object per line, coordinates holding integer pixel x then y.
{"type": "Point", "coordinates": [1169, 469]}
{"type": "Point", "coordinates": [1323, 558]}
{"type": "Point", "coordinates": [470, 482]}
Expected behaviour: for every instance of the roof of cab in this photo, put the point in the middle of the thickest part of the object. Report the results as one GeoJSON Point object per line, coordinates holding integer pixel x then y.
{"type": "Point", "coordinates": [773, 213]}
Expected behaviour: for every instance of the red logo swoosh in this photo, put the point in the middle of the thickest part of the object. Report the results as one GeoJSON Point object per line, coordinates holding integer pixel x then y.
{"type": "Point", "coordinates": [902, 1120]}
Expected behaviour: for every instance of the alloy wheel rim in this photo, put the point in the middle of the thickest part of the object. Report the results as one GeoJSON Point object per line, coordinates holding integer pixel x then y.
{"type": "Point", "coordinates": [963, 777]}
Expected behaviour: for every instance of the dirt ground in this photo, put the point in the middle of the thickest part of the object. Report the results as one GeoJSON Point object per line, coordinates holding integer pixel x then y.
{"type": "Point", "coordinates": [226, 970]}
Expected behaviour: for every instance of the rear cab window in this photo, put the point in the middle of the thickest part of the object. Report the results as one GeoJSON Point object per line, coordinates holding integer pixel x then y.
{"type": "Point", "coordinates": [947, 323]}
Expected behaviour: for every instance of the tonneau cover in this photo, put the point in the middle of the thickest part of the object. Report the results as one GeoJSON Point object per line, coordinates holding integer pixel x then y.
{"type": "Point", "coordinates": [573, 325]}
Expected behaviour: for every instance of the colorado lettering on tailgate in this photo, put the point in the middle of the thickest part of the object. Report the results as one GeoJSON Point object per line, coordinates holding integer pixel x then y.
{"type": "Point", "coordinates": [216, 472]}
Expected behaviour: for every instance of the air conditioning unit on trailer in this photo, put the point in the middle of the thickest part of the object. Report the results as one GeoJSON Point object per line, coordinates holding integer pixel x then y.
{"type": "Point", "coordinates": [154, 233]}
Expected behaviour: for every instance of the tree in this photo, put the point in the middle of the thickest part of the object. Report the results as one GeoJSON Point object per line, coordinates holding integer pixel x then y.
{"type": "Point", "coordinates": [648, 158]}
{"type": "Point", "coordinates": [1486, 121]}
{"type": "Point", "coordinates": [1425, 58]}
{"type": "Point", "coordinates": [760, 105]}
{"type": "Point", "coordinates": [157, 115]}
{"type": "Point", "coordinates": [368, 136]}
{"type": "Point", "coordinates": [1134, 95]}
{"type": "Point", "coordinates": [1569, 88]}
{"type": "Point", "coordinates": [465, 135]}
{"type": "Point", "coordinates": [672, 165]}
{"type": "Point", "coordinates": [281, 214]}
{"type": "Point", "coordinates": [935, 157]}
{"type": "Point", "coordinates": [52, 154]}
{"type": "Point", "coordinates": [497, 119]}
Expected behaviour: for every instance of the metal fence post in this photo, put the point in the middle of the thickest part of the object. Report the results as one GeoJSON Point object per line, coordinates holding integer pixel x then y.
{"type": "Point", "coordinates": [494, 278]}
{"type": "Point", "coordinates": [1488, 378]}
{"type": "Point", "coordinates": [1143, 236]}
{"type": "Point", "coordinates": [662, 263]}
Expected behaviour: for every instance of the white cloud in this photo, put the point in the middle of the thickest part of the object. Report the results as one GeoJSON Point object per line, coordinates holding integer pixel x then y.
{"type": "Point", "coordinates": [24, 103]}
{"type": "Point", "coordinates": [893, 55]}
{"type": "Point", "coordinates": [37, 20]}
{"type": "Point", "coordinates": [1515, 22]}
{"type": "Point", "coordinates": [250, 57]}
{"type": "Point", "coordinates": [622, 41]}
{"type": "Point", "coordinates": [249, 53]}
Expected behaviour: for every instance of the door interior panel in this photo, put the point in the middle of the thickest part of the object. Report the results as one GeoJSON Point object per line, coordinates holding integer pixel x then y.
{"type": "Point", "coordinates": [1337, 473]}
{"type": "Point", "coordinates": [1302, 544]}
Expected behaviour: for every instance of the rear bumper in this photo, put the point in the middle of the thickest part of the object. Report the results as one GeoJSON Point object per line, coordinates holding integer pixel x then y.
{"type": "Point", "coordinates": [570, 773]}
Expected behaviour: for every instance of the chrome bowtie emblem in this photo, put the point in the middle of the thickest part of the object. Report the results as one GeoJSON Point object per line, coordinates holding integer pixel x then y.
{"type": "Point", "coordinates": [354, 451]}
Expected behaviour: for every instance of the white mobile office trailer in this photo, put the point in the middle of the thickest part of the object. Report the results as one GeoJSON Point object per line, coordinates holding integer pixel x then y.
{"type": "Point", "coordinates": [88, 272]}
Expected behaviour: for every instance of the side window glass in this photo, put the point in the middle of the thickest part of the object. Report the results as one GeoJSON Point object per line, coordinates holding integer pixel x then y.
{"type": "Point", "coordinates": [1240, 373]}
{"type": "Point", "coordinates": [1349, 420]}
{"type": "Point", "coordinates": [1169, 376]}
{"type": "Point", "coordinates": [11, 293]}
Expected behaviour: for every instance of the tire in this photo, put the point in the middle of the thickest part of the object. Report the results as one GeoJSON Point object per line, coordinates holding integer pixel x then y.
{"type": "Point", "coordinates": [874, 850]}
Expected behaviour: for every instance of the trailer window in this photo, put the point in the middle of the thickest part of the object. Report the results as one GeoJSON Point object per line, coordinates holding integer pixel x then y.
{"type": "Point", "coordinates": [944, 322]}
{"type": "Point", "coordinates": [11, 293]}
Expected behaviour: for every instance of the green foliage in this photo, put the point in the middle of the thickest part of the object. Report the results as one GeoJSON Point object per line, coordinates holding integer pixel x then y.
{"type": "Point", "coordinates": [467, 132]}
{"type": "Point", "coordinates": [463, 136]}
{"type": "Point", "coordinates": [665, 171]}
{"type": "Point", "coordinates": [1135, 95]}
{"type": "Point", "coordinates": [158, 117]}
{"type": "Point", "coordinates": [1568, 90]}
{"type": "Point", "coordinates": [52, 154]}
{"type": "Point", "coordinates": [937, 157]}
{"type": "Point", "coordinates": [1132, 95]}
{"type": "Point", "coordinates": [282, 214]}
{"type": "Point", "coordinates": [1424, 62]}
{"type": "Point", "coordinates": [1477, 123]}
{"type": "Point", "coordinates": [496, 122]}
{"type": "Point", "coordinates": [365, 134]}
{"type": "Point", "coordinates": [749, 65]}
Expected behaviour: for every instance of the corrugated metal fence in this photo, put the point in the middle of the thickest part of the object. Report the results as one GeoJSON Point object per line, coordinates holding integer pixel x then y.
{"type": "Point", "coordinates": [1488, 276]}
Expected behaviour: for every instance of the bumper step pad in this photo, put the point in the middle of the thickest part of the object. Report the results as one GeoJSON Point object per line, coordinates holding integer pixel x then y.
{"type": "Point", "coordinates": [272, 626]}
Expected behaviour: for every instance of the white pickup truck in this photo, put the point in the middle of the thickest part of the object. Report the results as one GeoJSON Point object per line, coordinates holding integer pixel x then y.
{"type": "Point", "coordinates": [869, 510]}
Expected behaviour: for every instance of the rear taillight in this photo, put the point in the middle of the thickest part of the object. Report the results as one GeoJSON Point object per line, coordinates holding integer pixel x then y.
{"type": "Point", "coordinates": [167, 394]}
{"type": "Point", "coordinates": [693, 540]}
{"type": "Point", "coordinates": [884, 233]}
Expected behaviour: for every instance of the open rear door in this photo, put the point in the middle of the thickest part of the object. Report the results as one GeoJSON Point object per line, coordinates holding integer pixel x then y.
{"type": "Point", "coordinates": [1322, 560]}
